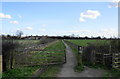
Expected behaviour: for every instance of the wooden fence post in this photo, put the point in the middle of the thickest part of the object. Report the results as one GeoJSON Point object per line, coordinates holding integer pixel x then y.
{"type": "Point", "coordinates": [0, 66]}
{"type": "Point", "coordinates": [79, 55]}
{"type": "Point", "coordinates": [1, 61]}
{"type": "Point", "coordinates": [65, 56]}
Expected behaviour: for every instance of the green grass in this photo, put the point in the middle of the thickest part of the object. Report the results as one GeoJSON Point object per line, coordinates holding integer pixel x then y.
{"type": "Point", "coordinates": [20, 72]}
{"type": "Point", "coordinates": [79, 68]}
{"type": "Point", "coordinates": [112, 73]}
{"type": "Point", "coordinates": [86, 42]}
{"type": "Point", "coordinates": [56, 46]}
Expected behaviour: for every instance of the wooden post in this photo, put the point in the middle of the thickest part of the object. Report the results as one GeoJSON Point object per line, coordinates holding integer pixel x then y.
{"type": "Point", "coordinates": [1, 61]}
{"type": "Point", "coordinates": [0, 66]}
{"type": "Point", "coordinates": [79, 55]}
{"type": "Point", "coordinates": [65, 56]}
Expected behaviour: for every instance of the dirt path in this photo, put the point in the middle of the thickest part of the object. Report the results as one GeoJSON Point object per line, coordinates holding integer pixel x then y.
{"type": "Point", "coordinates": [67, 69]}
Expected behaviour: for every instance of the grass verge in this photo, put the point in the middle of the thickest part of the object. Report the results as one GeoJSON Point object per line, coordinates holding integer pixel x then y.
{"type": "Point", "coordinates": [20, 72]}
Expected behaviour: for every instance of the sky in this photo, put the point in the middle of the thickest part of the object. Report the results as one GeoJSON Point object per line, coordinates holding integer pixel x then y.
{"type": "Point", "coordinates": [60, 18]}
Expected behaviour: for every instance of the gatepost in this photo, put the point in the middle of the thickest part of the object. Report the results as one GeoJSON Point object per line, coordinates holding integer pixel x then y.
{"type": "Point", "coordinates": [0, 57]}
{"type": "Point", "coordinates": [80, 51]}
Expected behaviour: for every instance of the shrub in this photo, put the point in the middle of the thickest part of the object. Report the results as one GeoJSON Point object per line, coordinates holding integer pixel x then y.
{"type": "Point", "coordinates": [79, 68]}
{"type": "Point", "coordinates": [7, 52]}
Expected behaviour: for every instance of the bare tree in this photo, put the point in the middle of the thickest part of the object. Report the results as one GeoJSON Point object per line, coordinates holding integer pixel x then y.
{"type": "Point", "coordinates": [19, 33]}
{"type": "Point", "coordinates": [72, 35]}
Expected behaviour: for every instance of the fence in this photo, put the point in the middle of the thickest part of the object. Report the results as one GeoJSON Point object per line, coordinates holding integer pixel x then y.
{"type": "Point", "coordinates": [116, 60]}
{"type": "Point", "coordinates": [99, 55]}
{"type": "Point", "coordinates": [104, 59]}
{"type": "Point", "coordinates": [35, 55]}
{"type": "Point", "coordinates": [72, 44]}
{"type": "Point", "coordinates": [38, 57]}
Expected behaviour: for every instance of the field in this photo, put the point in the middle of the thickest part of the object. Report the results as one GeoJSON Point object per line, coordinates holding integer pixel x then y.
{"type": "Point", "coordinates": [36, 58]}
{"type": "Point", "coordinates": [27, 43]}
{"type": "Point", "coordinates": [86, 42]}
{"type": "Point", "coordinates": [57, 46]}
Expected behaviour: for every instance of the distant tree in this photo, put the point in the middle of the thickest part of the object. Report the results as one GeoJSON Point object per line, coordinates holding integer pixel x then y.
{"type": "Point", "coordinates": [103, 37]}
{"type": "Point", "coordinates": [19, 33]}
{"type": "Point", "coordinates": [98, 37]}
{"type": "Point", "coordinates": [92, 37]}
{"type": "Point", "coordinates": [86, 37]}
{"type": "Point", "coordinates": [8, 36]}
{"type": "Point", "coordinates": [72, 35]}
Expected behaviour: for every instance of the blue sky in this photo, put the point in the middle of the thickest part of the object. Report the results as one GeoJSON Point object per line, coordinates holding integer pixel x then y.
{"type": "Point", "coordinates": [60, 18]}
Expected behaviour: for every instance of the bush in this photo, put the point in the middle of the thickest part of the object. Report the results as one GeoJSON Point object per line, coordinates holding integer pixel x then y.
{"type": "Point", "coordinates": [45, 40]}
{"type": "Point", "coordinates": [115, 46]}
{"type": "Point", "coordinates": [79, 68]}
{"type": "Point", "coordinates": [7, 52]}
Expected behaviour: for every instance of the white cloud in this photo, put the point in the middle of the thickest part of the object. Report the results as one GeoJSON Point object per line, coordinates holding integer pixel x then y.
{"type": "Point", "coordinates": [91, 14]}
{"type": "Point", "coordinates": [14, 22]}
{"type": "Point", "coordinates": [29, 28]}
{"type": "Point", "coordinates": [81, 19]}
{"type": "Point", "coordinates": [5, 16]}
